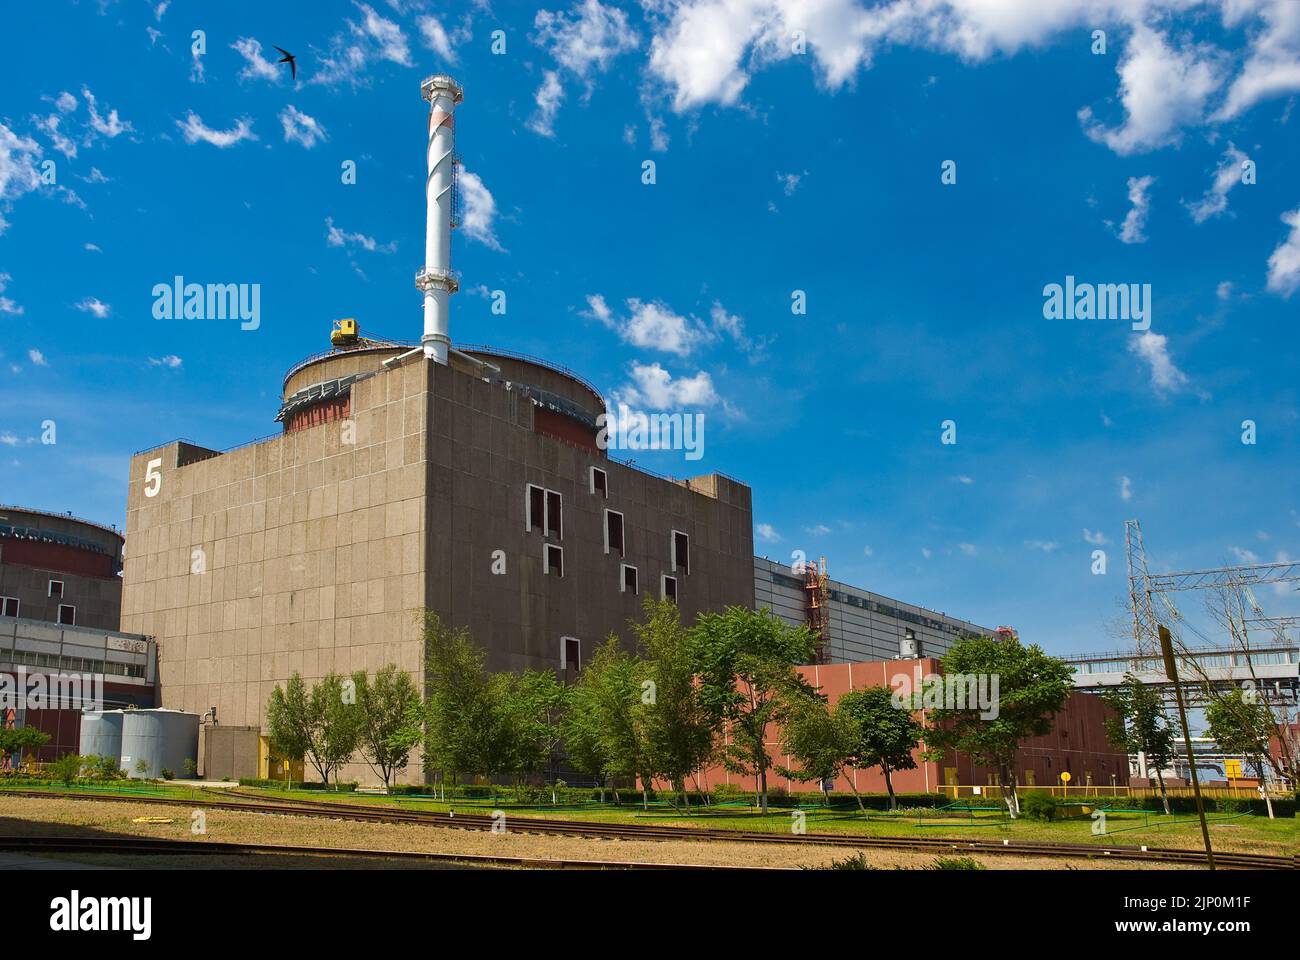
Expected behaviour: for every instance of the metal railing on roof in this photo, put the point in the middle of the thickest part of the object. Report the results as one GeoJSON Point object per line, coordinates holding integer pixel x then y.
{"type": "Point", "coordinates": [62, 516]}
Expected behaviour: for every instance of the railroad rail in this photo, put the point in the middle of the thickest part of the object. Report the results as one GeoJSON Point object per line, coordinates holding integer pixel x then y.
{"type": "Point", "coordinates": [581, 828]}
{"type": "Point", "coordinates": [164, 846]}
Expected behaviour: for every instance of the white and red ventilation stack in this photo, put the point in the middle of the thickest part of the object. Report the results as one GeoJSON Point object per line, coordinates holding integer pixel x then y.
{"type": "Point", "coordinates": [436, 280]}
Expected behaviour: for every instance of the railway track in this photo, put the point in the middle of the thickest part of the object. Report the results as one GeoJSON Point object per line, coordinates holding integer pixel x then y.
{"type": "Point", "coordinates": [154, 846]}
{"type": "Point", "coordinates": [580, 828]}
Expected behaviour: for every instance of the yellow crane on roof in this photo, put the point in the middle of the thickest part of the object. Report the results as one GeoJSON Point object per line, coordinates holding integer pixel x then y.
{"type": "Point", "coordinates": [345, 333]}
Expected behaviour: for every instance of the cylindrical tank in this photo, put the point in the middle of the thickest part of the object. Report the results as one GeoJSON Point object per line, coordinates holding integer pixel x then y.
{"type": "Point", "coordinates": [163, 739]}
{"type": "Point", "coordinates": [101, 734]}
{"type": "Point", "coordinates": [909, 648]}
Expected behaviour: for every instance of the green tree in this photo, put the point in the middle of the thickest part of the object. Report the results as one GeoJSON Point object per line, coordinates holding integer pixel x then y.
{"type": "Point", "coordinates": [529, 707]}
{"type": "Point", "coordinates": [1032, 688]}
{"type": "Point", "coordinates": [389, 719]}
{"type": "Point", "coordinates": [336, 729]}
{"type": "Point", "coordinates": [745, 661]}
{"type": "Point", "coordinates": [320, 726]}
{"type": "Point", "coordinates": [600, 728]}
{"type": "Point", "coordinates": [461, 724]}
{"type": "Point", "coordinates": [1240, 722]}
{"type": "Point", "coordinates": [1141, 726]}
{"type": "Point", "coordinates": [288, 720]}
{"type": "Point", "coordinates": [886, 734]}
{"type": "Point", "coordinates": [672, 721]}
{"type": "Point", "coordinates": [23, 741]}
{"type": "Point", "coordinates": [66, 769]}
{"type": "Point", "coordinates": [823, 743]}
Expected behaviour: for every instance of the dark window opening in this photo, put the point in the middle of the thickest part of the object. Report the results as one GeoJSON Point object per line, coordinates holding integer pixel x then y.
{"type": "Point", "coordinates": [681, 552]}
{"type": "Point", "coordinates": [670, 588]}
{"type": "Point", "coordinates": [629, 579]}
{"type": "Point", "coordinates": [536, 507]}
{"type": "Point", "coordinates": [599, 482]}
{"type": "Point", "coordinates": [8, 606]}
{"type": "Point", "coordinates": [554, 520]}
{"type": "Point", "coordinates": [554, 560]}
{"type": "Point", "coordinates": [56, 588]}
{"type": "Point", "coordinates": [67, 614]}
{"type": "Point", "coordinates": [572, 653]}
{"type": "Point", "coordinates": [613, 532]}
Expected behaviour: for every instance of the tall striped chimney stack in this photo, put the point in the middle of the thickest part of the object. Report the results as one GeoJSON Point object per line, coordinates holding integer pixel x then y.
{"type": "Point", "coordinates": [437, 281]}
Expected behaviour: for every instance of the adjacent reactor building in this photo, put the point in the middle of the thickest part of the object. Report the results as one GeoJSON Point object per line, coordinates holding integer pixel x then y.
{"type": "Point", "coordinates": [60, 603]}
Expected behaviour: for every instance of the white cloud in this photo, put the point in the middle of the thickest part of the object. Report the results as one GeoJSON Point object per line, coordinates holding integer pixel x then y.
{"type": "Point", "coordinates": [790, 181]}
{"type": "Point", "coordinates": [350, 53]}
{"type": "Point", "coordinates": [300, 128]}
{"type": "Point", "coordinates": [93, 248]}
{"type": "Point", "coordinates": [18, 173]}
{"type": "Point", "coordinates": [1046, 546]}
{"type": "Point", "coordinates": [967, 549]}
{"type": "Point", "coordinates": [478, 220]}
{"type": "Point", "coordinates": [766, 533]}
{"type": "Point", "coordinates": [599, 310]}
{"type": "Point", "coordinates": [256, 66]}
{"type": "Point", "coordinates": [194, 130]}
{"type": "Point", "coordinates": [387, 36]}
{"type": "Point", "coordinates": [96, 306]}
{"type": "Point", "coordinates": [37, 358]}
{"type": "Point", "coordinates": [6, 304]}
{"type": "Point", "coordinates": [820, 530]}
{"type": "Point", "coordinates": [1162, 90]}
{"type": "Point", "coordinates": [196, 66]}
{"type": "Point", "coordinates": [1283, 263]}
{"type": "Point", "coordinates": [963, 479]}
{"type": "Point", "coordinates": [110, 126]}
{"type": "Point", "coordinates": [1136, 221]}
{"type": "Point", "coordinates": [583, 42]}
{"type": "Point", "coordinates": [1244, 556]}
{"type": "Point", "coordinates": [1226, 177]}
{"type": "Point", "coordinates": [60, 141]}
{"type": "Point", "coordinates": [548, 98]}
{"type": "Point", "coordinates": [654, 388]}
{"type": "Point", "coordinates": [341, 238]}
{"type": "Point", "coordinates": [1224, 290]}
{"type": "Point", "coordinates": [655, 326]}
{"type": "Point", "coordinates": [1154, 349]}
{"type": "Point", "coordinates": [1097, 539]}
{"type": "Point", "coordinates": [65, 102]}
{"type": "Point", "coordinates": [1273, 67]}
{"type": "Point", "coordinates": [1125, 489]}
{"type": "Point", "coordinates": [441, 41]}
{"type": "Point", "coordinates": [925, 552]}
{"type": "Point", "coordinates": [867, 551]}
{"type": "Point", "coordinates": [170, 361]}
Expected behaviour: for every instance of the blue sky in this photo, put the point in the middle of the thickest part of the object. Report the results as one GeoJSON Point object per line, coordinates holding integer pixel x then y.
{"type": "Point", "coordinates": [778, 167]}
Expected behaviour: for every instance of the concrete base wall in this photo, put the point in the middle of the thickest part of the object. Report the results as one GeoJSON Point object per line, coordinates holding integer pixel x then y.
{"type": "Point", "coordinates": [228, 753]}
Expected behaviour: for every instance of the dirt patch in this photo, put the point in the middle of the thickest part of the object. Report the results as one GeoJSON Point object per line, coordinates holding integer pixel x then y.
{"type": "Point", "coordinates": [33, 816]}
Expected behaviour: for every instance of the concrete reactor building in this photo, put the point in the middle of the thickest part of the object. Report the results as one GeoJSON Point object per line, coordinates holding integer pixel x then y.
{"type": "Point", "coordinates": [60, 603]}
{"type": "Point", "coordinates": [410, 476]}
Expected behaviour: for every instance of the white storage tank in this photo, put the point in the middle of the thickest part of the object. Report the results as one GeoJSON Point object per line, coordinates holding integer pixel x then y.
{"type": "Point", "coordinates": [163, 739]}
{"type": "Point", "coordinates": [101, 734]}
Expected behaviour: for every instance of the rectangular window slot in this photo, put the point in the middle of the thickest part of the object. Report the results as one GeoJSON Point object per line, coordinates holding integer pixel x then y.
{"type": "Point", "coordinates": [599, 482]}
{"type": "Point", "coordinates": [668, 588]}
{"type": "Point", "coordinates": [67, 614]}
{"type": "Point", "coordinates": [629, 579]}
{"type": "Point", "coordinates": [554, 559]}
{"type": "Point", "coordinates": [681, 552]}
{"type": "Point", "coordinates": [614, 532]}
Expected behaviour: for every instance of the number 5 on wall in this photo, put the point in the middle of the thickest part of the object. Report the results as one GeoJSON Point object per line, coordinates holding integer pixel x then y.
{"type": "Point", "coordinates": [152, 478]}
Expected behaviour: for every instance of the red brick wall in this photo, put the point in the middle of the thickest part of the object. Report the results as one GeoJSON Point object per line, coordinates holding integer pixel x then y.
{"type": "Point", "coordinates": [1076, 743]}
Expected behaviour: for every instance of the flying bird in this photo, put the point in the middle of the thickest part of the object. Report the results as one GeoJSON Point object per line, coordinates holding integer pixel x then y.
{"type": "Point", "coordinates": [290, 59]}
